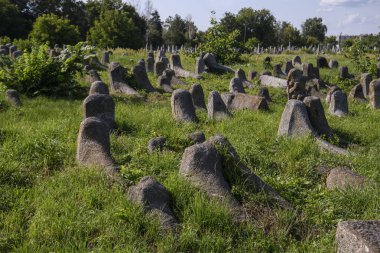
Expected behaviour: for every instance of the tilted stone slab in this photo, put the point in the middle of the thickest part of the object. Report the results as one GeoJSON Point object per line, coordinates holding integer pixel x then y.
{"type": "Point", "coordinates": [117, 82]}
{"type": "Point", "coordinates": [213, 66]}
{"type": "Point", "coordinates": [240, 101]}
{"type": "Point", "coordinates": [216, 108]}
{"type": "Point", "coordinates": [182, 106]}
{"type": "Point", "coordinates": [198, 96]}
{"type": "Point", "coordinates": [343, 178]}
{"type": "Point", "coordinates": [365, 80]}
{"type": "Point", "coordinates": [273, 81]}
{"type": "Point", "coordinates": [317, 116]}
{"type": "Point", "coordinates": [141, 78]}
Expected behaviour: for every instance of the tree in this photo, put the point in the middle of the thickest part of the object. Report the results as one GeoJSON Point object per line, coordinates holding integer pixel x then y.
{"type": "Point", "coordinates": [51, 29]}
{"type": "Point", "coordinates": [289, 34]}
{"type": "Point", "coordinates": [331, 40]}
{"type": "Point", "coordinates": [191, 31]}
{"type": "Point", "coordinates": [11, 18]}
{"type": "Point", "coordinates": [314, 27]}
{"type": "Point", "coordinates": [115, 28]}
{"type": "Point", "coordinates": [175, 32]}
{"type": "Point", "coordinates": [154, 31]}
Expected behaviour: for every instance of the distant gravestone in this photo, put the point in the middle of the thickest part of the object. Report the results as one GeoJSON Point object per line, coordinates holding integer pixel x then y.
{"type": "Point", "coordinates": [333, 64]}
{"type": "Point", "coordinates": [159, 68]}
{"type": "Point", "coordinates": [141, 78]}
{"type": "Point", "coordinates": [365, 80]}
{"type": "Point", "coordinates": [150, 54]}
{"type": "Point", "coordinates": [240, 101]}
{"type": "Point", "coordinates": [216, 108]}
{"type": "Point", "coordinates": [116, 74]}
{"type": "Point", "coordinates": [198, 96]}
{"type": "Point", "coordinates": [150, 64]}
{"type": "Point", "coordinates": [236, 85]}
{"type": "Point", "coordinates": [308, 70]}
{"type": "Point", "coordinates": [343, 73]}
{"type": "Point", "coordinates": [264, 92]}
{"type": "Point", "coordinates": [296, 61]}
{"type": "Point", "coordinates": [197, 137]}
{"type": "Point", "coordinates": [3, 52]}
{"type": "Point", "coordinates": [93, 76]}
{"type": "Point", "coordinates": [295, 120]}
{"type": "Point", "coordinates": [93, 145]}
{"type": "Point", "coordinates": [338, 104]}
{"type": "Point", "coordinates": [358, 236]}
{"type": "Point", "coordinates": [99, 87]}
{"type": "Point", "coordinates": [374, 94]}
{"type": "Point", "coordinates": [156, 144]}
{"type": "Point", "coordinates": [343, 178]}
{"type": "Point", "coordinates": [357, 93]}
{"type": "Point", "coordinates": [182, 106]}
{"type": "Point", "coordinates": [317, 116]}
{"type": "Point", "coordinates": [378, 70]}
{"type": "Point", "coordinates": [100, 106]}
{"type": "Point", "coordinates": [322, 62]}
{"type": "Point", "coordinates": [155, 199]}
{"type": "Point", "coordinates": [164, 81]}
{"type": "Point", "coordinates": [13, 97]}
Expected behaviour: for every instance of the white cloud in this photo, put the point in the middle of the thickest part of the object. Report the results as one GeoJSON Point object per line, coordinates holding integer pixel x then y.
{"type": "Point", "coordinates": [353, 19]}
{"type": "Point", "coordinates": [346, 2]}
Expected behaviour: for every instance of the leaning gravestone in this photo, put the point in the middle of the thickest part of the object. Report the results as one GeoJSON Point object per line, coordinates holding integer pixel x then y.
{"type": "Point", "coordinates": [358, 236]}
{"type": "Point", "coordinates": [240, 101]}
{"type": "Point", "coordinates": [13, 97]}
{"type": "Point", "coordinates": [156, 144]}
{"type": "Point", "coordinates": [93, 76]}
{"type": "Point", "coordinates": [199, 65]}
{"type": "Point", "coordinates": [182, 106]}
{"type": "Point", "coordinates": [175, 64]}
{"type": "Point", "coordinates": [343, 178]}
{"type": "Point", "coordinates": [150, 64]}
{"type": "Point", "coordinates": [236, 85]}
{"type": "Point", "coordinates": [277, 71]}
{"type": "Point", "coordinates": [357, 93]}
{"type": "Point", "coordinates": [93, 146]}
{"type": "Point", "coordinates": [343, 73]}
{"type": "Point", "coordinates": [365, 80]}
{"type": "Point", "coordinates": [295, 120]}
{"type": "Point", "coordinates": [288, 67]}
{"type": "Point", "coordinates": [308, 70]}
{"type": "Point", "coordinates": [333, 64]}
{"type": "Point", "coordinates": [159, 68]}
{"type": "Point", "coordinates": [198, 96]}
{"type": "Point", "coordinates": [117, 82]}
{"type": "Point", "coordinates": [338, 104]}
{"type": "Point", "coordinates": [99, 87]}
{"type": "Point", "coordinates": [322, 62]}
{"type": "Point", "coordinates": [241, 75]}
{"type": "Point", "coordinates": [100, 106]}
{"type": "Point", "coordinates": [216, 108]}
{"type": "Point", "coordinates": [374, 94]}
{"type": "Point", "coordinates": [164, 81]}
{"type": "Point", "coordinates": [213, 66]}
{"type": "Point", "coordinates": [317, 116]}
{"type": "Point", "coordinates": [141, 78]}
{"type": "Point", "coordinates": [264, 92]}
{"type": "Point", "coordinates": [155, 199]}
{"type": "Point", "coordinates": [296, 62]}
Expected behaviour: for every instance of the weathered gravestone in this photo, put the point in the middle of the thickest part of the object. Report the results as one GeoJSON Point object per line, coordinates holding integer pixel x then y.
{"type": "Point", "coordinates": [236, 85]}
{"type": "Point", "coordinates": [17, 54]}
{"type": "Point", "coordinates": [100, 106]}
{"type": "Point", "coordinates": [277, 71]}
{"type": "Point", "coordinates": [3, 52]}
{"type": "Point", "coordinates": [264, 92]}
{"type": "Point", "coordinates": [12, 49]}
{"type": "Point", "coordinates": [338, 104]}
{"type": "Point", "coordinates": [357, 93]}
{"type": "Point", "coordinates": [13, 97]}
{"type": "Point", "coordinates": [296, 62]}
{"type": "Point", "coordinates": [141, 78]}
{"type": "Point", "coordinates": [116, 74]}
{"type": "Point", "coordinates": [164, 81]}
{"type": "Point", "coordinates": [99, 87]}
{"type": "Point", "coordinates": [308, 71]}
{"type": "Point", "coordinates": [288, 66]}
{"type": "Point", "coordinates": [252, 74]}
{"type": "Point", "coordinates": [155, 199]}
{"type": "Point", "coordinates": [159, 68]}
{"type": "Point", "coordinates": [93, 76]}
{"type": "Point", "coordinates": [156, 144]}
{"type": "Point", "coordinates": [241, 75]}
{"type": "Point", "coordinates": [199, 65]}
{"type": "Point", "coordinates": [239, 101]}
{"type": "Point", "coordinates": [333, 64]}
{"type": "Point", "coordinates": [175, 64]}
{"type": "Point", "coordinates": [150, 64]}
{"type": "Point", "coordinates": [106, 57]}
{"type": "Point", "coordinates": [295, 120]}
{"type": "Point", "coordinates": [358, 236]}
{"type": "Point", "coordinates": [378, 70]}
{"type": "Point", "coordinates": [343, 73]}
{"type": "Point", "coordinates": [198, 96]}
{"type": "Point", "coordinates": [365, 80]}
{"type": "Point", "coordinates": [216, 108]}
{"type": "Point", "coordinates": [317, 116]}
{"type": "Point", "coordinates": [331, 91]}
{"type": "Point", "coordinates": [93, 145]}
{"type": "Point", "coordinates": [213, 66]}
{"type": "Point", "coordinates": [343, 178]}
{"type": "Point", "coordinates": [322, 62]}
{"type": "Point", "coordinates": [197, 137]}
{"type": "Point", "coordinates": [296, 85]}
{"type": "Point", "coordinates": [182, 106]}
{"type": "Point", "coordinates": [273, 81]}
{"type": "Point", "coordinates": [374, 94]}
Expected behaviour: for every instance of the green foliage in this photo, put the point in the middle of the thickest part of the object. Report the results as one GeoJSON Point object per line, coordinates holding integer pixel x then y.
{"type": "Point", "coordinates": [250, 44]}
{"type": "Point", "coordinates": [331, 40]}
{"type": "Point", "coordinates": [52, 30]}
{"type": "Point", "coordinates": [154, 31]}
{"type": "Point", "coordinates": [364, 61]}
{"type": "Point", "coordinates": [314, 27]}
{"type": "Point", "coordinates": [5, 40]}
{"type": "Point", "coordinates": [311, 41]}
{"type": "Point", "coordinates": [175, 32]}
{"type": "Point", "coordinates": [13, 24]}
{"type": "Point", "coordinates": [222, 43]}
{"type": "Point", "coordinates": [36, 73]}
{"type": "Point", "coordinates": [289, 34]}
{"type": "Point", "coordinates": [24, 44]}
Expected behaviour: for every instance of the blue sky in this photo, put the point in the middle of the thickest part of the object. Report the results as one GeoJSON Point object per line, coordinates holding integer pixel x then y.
{"type": "Point", "coordinates": [346, 16]}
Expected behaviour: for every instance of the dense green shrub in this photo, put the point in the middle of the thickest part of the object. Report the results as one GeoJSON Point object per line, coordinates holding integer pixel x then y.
{"type": "Point", "coordinates": [360, 55]}
{"type": "Point", "coordinates": [51, 29]}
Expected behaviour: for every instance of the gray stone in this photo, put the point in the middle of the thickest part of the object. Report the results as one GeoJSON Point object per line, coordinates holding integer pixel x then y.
{"type": "Point", "coordinates": [216, 108]}
{"type": "Point", "coordinates": [295, 120]}
{"type": "Point", "coordinates": [240, 74]}
{"type": "Point", "coordinates": [317, 116]}
{"type": "Point", "coordinates": [116, 74]}
{"type": "Point", "coordinates": [374, 94]}
{"type": "Point", "coordinates": [357, 93]}
{"type": "Point", "coordinates": [164, 82]}
{"type": "Point", "coordinates": [100, 106]}
{"type": "Point", "coordinates": [155, 199]}
{"type": "Point", "coordinates": [213, 66]}
{"type": "Point", "coordinates": [199, 66]}
{"type": "Point", "coordinates": [159, 68]}
{"type": "Point", "coordinates": [198, 96]}
{"type": "Point", "coordinates": [93, 145]}
{"type": "Point", "coordinates": [13, 97]}
{"type": "Point", "coordinates": [365, 80]}
{"type": "Point", "coordinates": [99, 87]}
{"type": "Point", "coordinates": [12, 49]}
{"type": "Point", "coordinates": [273, 81]}
{"type": "Point", "coordinates": [3, 52]}
{"type": "Point", "coordinates": [343, 73]}
{"type": "Point", "coordinates": [358, 237]}
{"type": "Point", "coordinates": [106, 57]}
{"type": "Point", "coordinates": [266, 73]}
{"type": "Point", "coordinates": [343, 178]}
{"type": "Point", "coordinates": [17, 54]}
{"type": "Point", "coordinates": [322, 62]}
{"type": "Point", "coordinates": [156, 144]}
{"type": "Point", "coordinates": [277, 71]}
{"type": "Point", "coordinates": [338, 104]}
{"type": "Point", "coordinates": [93, 76]}
{"type": "Point", "coordinates": [182, 106]}
{"type": "Point", "coordinates": [236, 85]}
{"type": "Point", "coordinates": [197, 137]}
{"type": "Point", "coordinates": [331, 91]}
{"type": "Point", "coordinates": [288, 66]}
{"type": "Point", "coordinates": [141, 78]}
{"type": "Point", "coordinates": [240, 101]}
{"type": "Point", "coordinates": [264, 92]}
{"type": "Point", "coordinates": [150, 64]}
{"type": "Point", "coordinates": [308, 71]}
{"type": "Point", "coordinates": [296, 85]}
{"type": "Point", "coordinates": [252, 74]}
{"type": "Point", "coordinates": [296, 62]}
{"type": "Point", "coordinates": [333, 64]}
{"type": "Point", "coordinates": [175, 64]}
{"type": "Point", "coordinates": [141, 63]}
{"type": "Point", "coordinates": [378, 70]}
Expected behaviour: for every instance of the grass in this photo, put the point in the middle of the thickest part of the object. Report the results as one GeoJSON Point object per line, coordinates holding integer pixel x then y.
{"type": "Point", "coordinates": [50, 204]}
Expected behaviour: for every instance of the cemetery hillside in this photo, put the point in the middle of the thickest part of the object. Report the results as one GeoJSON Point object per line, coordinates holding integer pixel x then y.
{"type": "Point", "coordinates": [122, 132]}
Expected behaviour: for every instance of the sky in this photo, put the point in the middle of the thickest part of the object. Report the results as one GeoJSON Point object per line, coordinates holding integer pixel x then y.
{"type": "Point", "coordinates": [349, 17]}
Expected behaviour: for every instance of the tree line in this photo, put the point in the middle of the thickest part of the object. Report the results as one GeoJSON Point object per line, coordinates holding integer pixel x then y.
{"type": "Point", "coordinates": [112, 23]}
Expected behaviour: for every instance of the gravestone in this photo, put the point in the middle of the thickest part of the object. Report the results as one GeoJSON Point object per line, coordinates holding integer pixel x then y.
{"type": "Point", "coordinates": [264, 92]}
{"type": "Point", "coordinates": [308, 70]}
{"type": "Point", "coordinates": [164, 81]}
{"type": "Point", "coordinates": [197, 137]}
{"type": "Point", "coordinates": [288, 66]}
{"type": "Point", "coordinates": [13, 97]}
{"type": "Point", "coordinates": [182, 106]}
{"type": "Point", "coordinates": [100, 106]}
{"type": "Point", "coordinates": [141, 78]}
{"type": "Point", "coordinates": [175, 64]}
{"type": "Point", "coordinates": [322, 62]}
{"type": "Point", "coordinates": [295, 120]}
{"type": "Point", "coordinates": [343, 73]}
{"type": "Point", "coordinates": [296, 85]}
{"type": "Point", "coordinates": [240, 101]}
{"type": "Point", "coordinates": [3, 52]}
{"type": "Point", "coordinates": [251, 75]}
{"type": "Point", "coordinates": [116, 74]}
{"type": "Point", "coordinates": [12, 49]}
{"type": "Point", "coordinates": [296, 62]}
{"type": "Point", "coordinates": [99, 87]}
{"type": "Point", "coordinates": [141, 63]}
{"type": "Point", "coordinates": [93, 76]}
{"type": "Point", "coordinates": [343, 178]}
{"type": "Point", "coordinates": [236, 85]}
{"type": "Point", "coordinates": [198, 96]}
{"type": "Point", "coordinates": [277, 71]}
{"type": "Point", "coordinates": [213, 66]}
{"type": "Point", "coordinates": [331, 91]}
{"type": "Point", "coordinates": [106, 57]}
{"type": "Point", "coordinates": [156, 144]}
{"type": "Point", "coordinates": [155, 199]}
{"type": "Point", "coordinates": [150, 54]}
{"type": "Point", "coordinates": [357, 93]}
{"type": "Point", "coordinates": [365, 80]}
{"type": "Point", "coordinates": [358, 236]}
{"type": "Point", "coordinates": [159, 68]}
{"type": "Point", "coordinates": [150, 64]}
{"type": "Point", "coordinates": [317, 116]}
{"type": "Point", "coordinates": [338, 104]}
{"type": "Point", "coordinates": [378, 69]}
{"type": "Point", "coordinates": [273, 81]}
{"type": "Point", "coordinates": [216, 108]}
{"type": "Point", "coordinates": [374, 94]}
{"type": "Point", "coordinates": [17, 54]}
{"type": "Point", "coordinates": [199, 65]}
{"type": "Point", "coordinates": [241, 75]}
{"type": "Point", "coordinates": [333, 64]}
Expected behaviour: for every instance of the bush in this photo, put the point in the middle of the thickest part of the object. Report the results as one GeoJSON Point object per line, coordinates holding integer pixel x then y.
{"type": "Point", "coordinates": [36, 73]}
{"type": "Point", "coordinates": [51, 29]}
{"type": "Point", "coordinates": [365, 62]}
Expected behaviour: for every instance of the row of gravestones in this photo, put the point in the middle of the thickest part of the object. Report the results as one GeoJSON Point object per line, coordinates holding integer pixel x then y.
{"type": "Point", "coordinates": [10, 50]}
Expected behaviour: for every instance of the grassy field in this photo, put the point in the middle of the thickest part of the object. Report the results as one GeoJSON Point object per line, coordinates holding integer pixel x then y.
{"type": "Point", "coordinates": [50, 204]}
